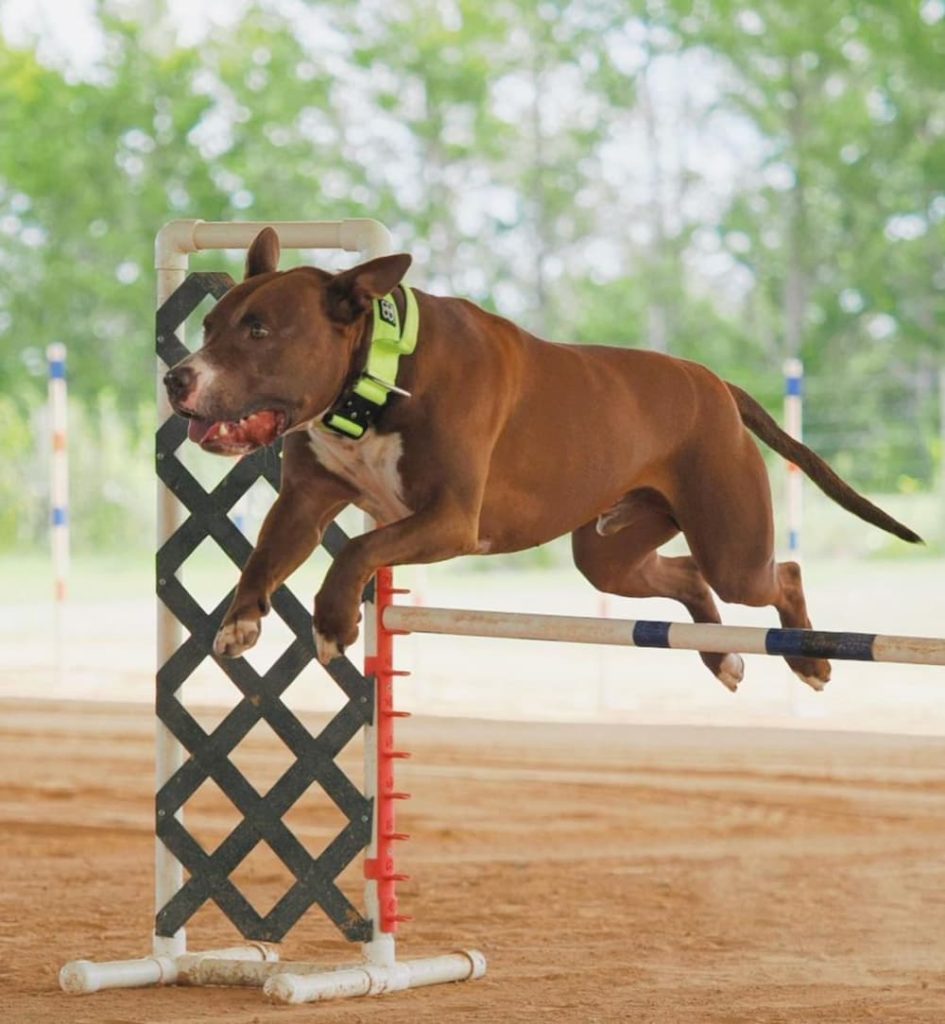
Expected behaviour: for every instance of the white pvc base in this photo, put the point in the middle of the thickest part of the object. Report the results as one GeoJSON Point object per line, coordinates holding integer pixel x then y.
{"type": "Point", "coordinates": [79, 977]}
{"type": "Point", "coordinates": [372, 980]}
{"type": "Point", "coordinates": [258, 966]}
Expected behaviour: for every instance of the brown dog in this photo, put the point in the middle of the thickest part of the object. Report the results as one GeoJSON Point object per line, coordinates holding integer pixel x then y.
{"type": "Point", "coordinates": [504, 442]}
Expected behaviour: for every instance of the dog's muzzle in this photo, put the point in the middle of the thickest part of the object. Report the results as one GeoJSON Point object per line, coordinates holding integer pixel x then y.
{"type": "Point", "coordinates": [179, 383]}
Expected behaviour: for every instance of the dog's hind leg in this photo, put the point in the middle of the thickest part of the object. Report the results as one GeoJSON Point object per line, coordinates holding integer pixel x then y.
{"type": "Point", "coordinates": [792, 611]}
{"type": "Point", "coordinates": [723, 504]}
{"type": "Point", "coordinates": [617, 554]}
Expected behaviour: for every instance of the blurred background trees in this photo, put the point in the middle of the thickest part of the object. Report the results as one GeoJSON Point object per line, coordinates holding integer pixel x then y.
{"type": "Point", "coordinates": [728, 181]}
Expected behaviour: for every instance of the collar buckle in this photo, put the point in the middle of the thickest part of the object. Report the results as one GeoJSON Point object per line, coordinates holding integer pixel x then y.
{"type": "Point", "coordinates": [386, 384]}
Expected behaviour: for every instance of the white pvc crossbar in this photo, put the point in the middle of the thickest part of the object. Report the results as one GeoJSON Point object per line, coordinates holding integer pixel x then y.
{"type": "Point", "coordinates": [687, 636]}
{"type": "Point", "coordinates": [176, 240]}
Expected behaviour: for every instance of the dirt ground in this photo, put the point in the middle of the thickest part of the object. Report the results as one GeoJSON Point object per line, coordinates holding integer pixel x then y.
{"type": "Point", "coordinates": [609, 873]}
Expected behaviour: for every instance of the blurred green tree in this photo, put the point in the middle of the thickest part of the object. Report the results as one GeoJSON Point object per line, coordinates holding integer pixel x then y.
{"type": "Point", "coordinates": [729, 181]}
{"type": "Point", "coordinates": [841, 230]}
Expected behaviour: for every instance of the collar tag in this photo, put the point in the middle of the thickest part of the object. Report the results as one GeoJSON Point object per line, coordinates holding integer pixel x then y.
{"type": "Point", "coordinates": [386, 310]}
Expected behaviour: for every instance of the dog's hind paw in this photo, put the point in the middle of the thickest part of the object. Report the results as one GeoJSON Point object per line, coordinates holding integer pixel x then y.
{"type": "Point", "coordinates": [236, 637]}
{"type": "Point", "coordinates": [816, 683]}
{"type": "Point", "coordinates": [731, 671]}
{"type": "Point", "coordinates": [815, 672]}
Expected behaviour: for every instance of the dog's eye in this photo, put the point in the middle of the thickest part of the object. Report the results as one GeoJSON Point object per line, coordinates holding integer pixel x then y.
{"type": "Point", "coordinates": [257, 331]}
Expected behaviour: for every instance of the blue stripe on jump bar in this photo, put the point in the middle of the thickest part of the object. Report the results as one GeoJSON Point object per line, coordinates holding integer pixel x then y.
{"type": "Point", "coordinates": [794, 540]}
{"type": "Point", "coordinates": [59, 517]}
{"type": "Point", "coordinates": [651, 634]}
{"type": "Point", "coordinates": [813, 643]}
{"type": "Point", "coordinates": [57, 369]}
{"type": "Point", "coordinates": [794, 386]}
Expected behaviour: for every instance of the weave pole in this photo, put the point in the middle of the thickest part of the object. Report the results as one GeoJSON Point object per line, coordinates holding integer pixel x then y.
{"type": "Point", "coordinates": [59, 492]}
{"type": "Point", "coordinates": [794, 425]}
{"type": "Point", "coordinates": [682, 636]}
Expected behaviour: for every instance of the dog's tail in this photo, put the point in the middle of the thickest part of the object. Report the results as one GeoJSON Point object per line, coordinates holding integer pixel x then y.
{"type": "Point", "coordinates": [764, 427]}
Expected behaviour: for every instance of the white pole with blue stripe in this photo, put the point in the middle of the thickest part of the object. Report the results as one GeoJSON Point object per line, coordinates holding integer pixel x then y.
{"type": "Point", "coordinates": [677, 636]}
{"type": "Point", "coordinates": [794, 425]}
{"type": "Point", "coordinates": [59, 487]}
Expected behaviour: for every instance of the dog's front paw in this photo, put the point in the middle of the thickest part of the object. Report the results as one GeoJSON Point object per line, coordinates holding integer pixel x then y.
{"type": "Point", "coordinates": [326, 648]}
{"type": "Point", "coordinates": [236, 637]}
{"type": "Point", "coordinates": [333, 629]}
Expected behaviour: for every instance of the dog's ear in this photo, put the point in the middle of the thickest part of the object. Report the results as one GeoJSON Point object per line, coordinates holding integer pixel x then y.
{"type": "Point", "coordinates": [262, 256]}
{"type": "Point", "coordinates": [350, 293]}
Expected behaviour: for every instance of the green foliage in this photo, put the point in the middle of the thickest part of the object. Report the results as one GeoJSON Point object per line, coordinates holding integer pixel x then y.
{"type": "Point", "coordinates": [111, 480]}
{"type": "Point", "coordinates": [19, 501]}
{"type": "Point", "coordinates": [111, 466]}
{"type": "Point", "coordinates": [563, 162]}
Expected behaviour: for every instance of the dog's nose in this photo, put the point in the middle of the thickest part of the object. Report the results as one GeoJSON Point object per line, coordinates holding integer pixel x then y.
{"type": "Point", "coordinates": [179, 383]}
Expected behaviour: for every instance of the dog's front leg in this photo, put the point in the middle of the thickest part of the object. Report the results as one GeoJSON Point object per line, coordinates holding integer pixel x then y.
{"type": "Point", "coordinates": [292, 529]}
{"type": "Point", "coordinates": [445, 529]}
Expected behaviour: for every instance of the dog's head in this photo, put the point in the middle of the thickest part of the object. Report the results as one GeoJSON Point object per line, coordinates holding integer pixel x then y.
{"type": "Point", "coordinates": [277, 348]}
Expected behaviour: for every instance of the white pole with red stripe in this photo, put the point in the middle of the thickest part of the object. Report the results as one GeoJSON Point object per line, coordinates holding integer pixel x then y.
{"type": "Point", "coordinates": [59, 487]}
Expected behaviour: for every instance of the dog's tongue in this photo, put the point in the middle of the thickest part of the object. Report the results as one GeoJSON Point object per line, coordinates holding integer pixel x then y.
{"type": "Point", "coordinates": [197, 429]}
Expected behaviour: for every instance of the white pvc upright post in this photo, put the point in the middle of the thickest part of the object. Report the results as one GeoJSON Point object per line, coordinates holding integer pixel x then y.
{"type": "Point", "coordinates": [59, 492]}
{"type": "Point", "coordinates": [171, 268]}
{"type": "Point", "coordinates": [381, 950]}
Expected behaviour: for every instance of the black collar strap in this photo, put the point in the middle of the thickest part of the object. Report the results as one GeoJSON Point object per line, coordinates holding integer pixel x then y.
{"type": "Point", "coordinates": [357, 407]}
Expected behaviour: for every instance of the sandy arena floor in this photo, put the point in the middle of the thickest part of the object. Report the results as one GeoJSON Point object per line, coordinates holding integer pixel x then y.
{"type": "Point", "coordinates": [644, 874]}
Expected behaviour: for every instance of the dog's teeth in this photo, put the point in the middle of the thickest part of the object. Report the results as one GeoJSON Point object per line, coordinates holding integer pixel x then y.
{"type": "Point", "coordinates": [224, 430]}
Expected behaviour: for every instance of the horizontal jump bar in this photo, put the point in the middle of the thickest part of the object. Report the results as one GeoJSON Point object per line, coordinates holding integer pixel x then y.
{"type": "Point", "coordinates": [698, 636]}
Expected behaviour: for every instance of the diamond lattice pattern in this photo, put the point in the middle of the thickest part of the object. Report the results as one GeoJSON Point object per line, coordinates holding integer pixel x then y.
{"type": "Point", "coordinates": [212, 519]}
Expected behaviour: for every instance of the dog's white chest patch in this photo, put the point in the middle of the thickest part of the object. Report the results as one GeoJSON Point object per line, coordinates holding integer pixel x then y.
{"type": "Point", "coordinates": [369, 465]}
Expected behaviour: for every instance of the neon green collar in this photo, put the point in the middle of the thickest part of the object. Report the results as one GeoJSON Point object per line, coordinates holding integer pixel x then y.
{"type": "Point", "coordinates": [360, 404]}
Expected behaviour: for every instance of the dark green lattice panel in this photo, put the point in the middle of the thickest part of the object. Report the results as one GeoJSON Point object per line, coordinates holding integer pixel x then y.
{"type": "Point", "coordinates": [208, 753]}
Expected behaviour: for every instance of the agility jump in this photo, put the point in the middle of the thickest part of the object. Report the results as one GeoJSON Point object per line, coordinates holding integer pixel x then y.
{"type": "Point", "coordinates": [187, 756]}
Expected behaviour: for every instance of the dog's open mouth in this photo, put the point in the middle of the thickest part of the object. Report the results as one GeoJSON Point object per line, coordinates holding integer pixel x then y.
{"type": "Point", "coordinates": [238, 437]}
